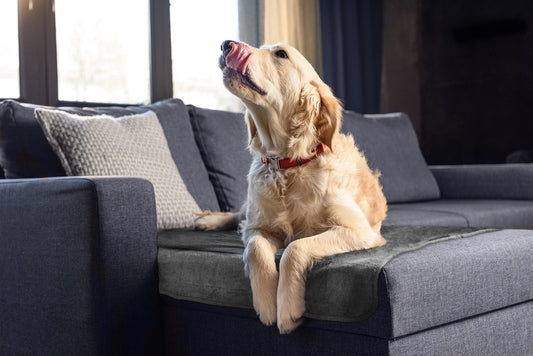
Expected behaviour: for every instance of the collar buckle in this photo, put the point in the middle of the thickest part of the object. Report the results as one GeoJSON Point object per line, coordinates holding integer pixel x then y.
{"type": "Point", "coordinates": [272, 161]}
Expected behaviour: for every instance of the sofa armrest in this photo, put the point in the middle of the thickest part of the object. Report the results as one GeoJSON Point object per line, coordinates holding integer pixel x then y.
{"type": "Point", "coordinates": [487, 181]}
{"type": "Point", "coordinates": [78, 266]}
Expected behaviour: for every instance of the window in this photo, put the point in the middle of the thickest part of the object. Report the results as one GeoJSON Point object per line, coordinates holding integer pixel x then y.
{"type": "Point", "coordinates": [116, 52]}
{"type": "Point", "coordinates": [9, 41]}
{"type": "Point", "coordinates": [197, 30]}
{"type": "Point", "coordinates": [103, 51]}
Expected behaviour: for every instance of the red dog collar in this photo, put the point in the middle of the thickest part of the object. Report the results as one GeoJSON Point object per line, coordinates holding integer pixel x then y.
{"type": "Point", "coordinates": [284, 163]}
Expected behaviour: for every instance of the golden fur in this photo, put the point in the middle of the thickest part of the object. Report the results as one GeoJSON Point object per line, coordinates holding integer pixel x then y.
{"type": "Point", "coordinates": [332, 204]}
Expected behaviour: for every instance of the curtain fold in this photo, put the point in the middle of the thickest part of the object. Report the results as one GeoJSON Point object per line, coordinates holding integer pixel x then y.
{"type": "Point", "coordinates": [342, 39]}
{"type": "Point", "coordinates": [352, 51]}
{"type": "Point", "coordinates": [296, 22]}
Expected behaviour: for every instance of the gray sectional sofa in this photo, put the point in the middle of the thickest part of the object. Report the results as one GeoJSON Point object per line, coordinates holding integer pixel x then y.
{"type": "Point", "coordinates": [84, 269]}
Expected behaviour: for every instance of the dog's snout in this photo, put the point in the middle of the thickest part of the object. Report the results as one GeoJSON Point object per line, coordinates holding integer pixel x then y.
{"type": "Point", "coordinates": [226, 47]}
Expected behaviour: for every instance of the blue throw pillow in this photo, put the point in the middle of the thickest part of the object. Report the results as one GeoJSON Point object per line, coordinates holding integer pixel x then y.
{"type": "Point", "coordinates": [390, 145]}
{"type": "Point", "coordinates": [222, 139]}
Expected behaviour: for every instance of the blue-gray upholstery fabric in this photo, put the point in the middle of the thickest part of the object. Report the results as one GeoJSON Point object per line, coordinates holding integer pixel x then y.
{"type": "Point", "coordinates": [388, 141]}
{"type": "Point", "coordinates": [507, 331]}
{"type": "Point", "coordinates": [456, 279]}
{"type": "Point", "coordinates": [239, 332]}
{"type": "Point", "coordinates": [431, 286]}
{"type": "Point", "coordinates": [222, 139]}
{"type": "Point", "coordinates": [25, 152]}
{"type": "Point", "coordinates": [78, 269]}
{"type": "Point", "coordinates": [511, 214]}
{"type": "Point", "coordinates": [200, 329]}
{"type": "Point", "coordinates": [401, 214]}
{"type": "Point", "coordinates": [490, 181]}
{"type": "Point", "coordinates": [390, 146]}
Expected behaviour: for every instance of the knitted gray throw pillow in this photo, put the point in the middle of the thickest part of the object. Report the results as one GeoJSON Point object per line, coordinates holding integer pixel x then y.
{"type": "Point", "coordinates": [132, 146]}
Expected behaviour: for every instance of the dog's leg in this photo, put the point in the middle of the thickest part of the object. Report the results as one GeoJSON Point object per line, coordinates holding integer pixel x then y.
{"type": "Point", "coordinates": [301, 254]}
{"type": "Point", "coordinates": [260, 266]}
{"type": "Point", "coordinates": [217, 221]}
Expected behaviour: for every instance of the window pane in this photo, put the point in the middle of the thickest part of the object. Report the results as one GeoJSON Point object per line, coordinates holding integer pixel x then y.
{"type": "Point", "coordinates": [197, 29]}
{"type": "Point", "coordinates": [9, 45]}
{"type": "Point", "coordinates": [103, 50]}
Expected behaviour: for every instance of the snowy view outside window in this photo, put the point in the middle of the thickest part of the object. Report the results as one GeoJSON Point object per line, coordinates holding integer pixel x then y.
{"type": "Point", "coordinates": [9, 54]}
{"type": "Point", "coordinates": [103, 56]}
{"type": "Point", "coordinates": [103, 50]}
{"type": "Point", "coordinates": [197, 29]}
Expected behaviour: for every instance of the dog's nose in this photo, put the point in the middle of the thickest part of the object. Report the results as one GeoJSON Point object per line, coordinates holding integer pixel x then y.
{"type": "Point", "coordinates": [226, 47]}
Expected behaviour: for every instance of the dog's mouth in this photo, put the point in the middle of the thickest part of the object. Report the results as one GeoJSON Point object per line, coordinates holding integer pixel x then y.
{"type": "Point", "coordinates": [234, 59]}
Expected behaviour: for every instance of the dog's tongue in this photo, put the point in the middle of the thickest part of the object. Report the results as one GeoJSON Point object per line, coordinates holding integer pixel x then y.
{"type": "Point", "coordinates": [237, 59]}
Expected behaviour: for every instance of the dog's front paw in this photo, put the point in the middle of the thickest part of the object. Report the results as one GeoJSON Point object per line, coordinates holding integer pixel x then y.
{"type": "Point", "coordinates": [266, 309]}
{"type": "Point", "coordinates": [290, 314]}
{"type": "Point", "coordinates": [264, 298]}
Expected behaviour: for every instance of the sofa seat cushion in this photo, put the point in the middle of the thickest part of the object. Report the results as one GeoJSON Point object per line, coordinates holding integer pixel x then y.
{"type": "Point", "coordinates": [25, 152]}
{"type": "Point", "coordinates": [426, 287]}
{"type": "Point", "coordinates": [390, 146]}
{"type": "Point", "coordinates": [493, 213]}
{"type": "Point", "coordinates": [453, 280]}
{"type": "Point", "coordinates": [402, 214]}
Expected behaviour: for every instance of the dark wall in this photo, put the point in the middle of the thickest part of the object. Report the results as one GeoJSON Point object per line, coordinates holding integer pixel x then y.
{"type": "Point", "coordinates": [474, 67]}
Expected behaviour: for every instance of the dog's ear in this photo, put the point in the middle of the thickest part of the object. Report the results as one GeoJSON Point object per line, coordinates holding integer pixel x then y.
{"type": "Point", "coordinates": [252, 130]}
{"type": "Point", "coordinates": [328, 121]}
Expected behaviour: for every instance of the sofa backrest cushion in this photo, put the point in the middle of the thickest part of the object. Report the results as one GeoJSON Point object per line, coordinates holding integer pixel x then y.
{"type": "Point", "coordinates": [390, 146]}
{"type": "Point", "coordinates": [25, 152]}
{"type": "Point", "coordinates": [131, 145]}
{"type": "Point", "coordinates": [222, 139]}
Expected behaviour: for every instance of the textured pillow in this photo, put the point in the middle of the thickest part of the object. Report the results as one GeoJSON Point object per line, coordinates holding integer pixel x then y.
{"type": "Point", "coordinates": [25, 152]}
{"type": "Point", "coordinates": [132, 145]}
{"type": "Point", "coordinates": [391, 147]}
{"type": "Point", "coordinates": [222, 139]}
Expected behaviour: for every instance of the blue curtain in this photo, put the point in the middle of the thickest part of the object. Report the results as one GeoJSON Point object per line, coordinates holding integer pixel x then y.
{"type": "Point", "coordinates": [352, 51]}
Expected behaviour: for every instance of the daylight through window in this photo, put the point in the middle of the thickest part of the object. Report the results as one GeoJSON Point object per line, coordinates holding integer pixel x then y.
{"type": "Point", "coordinates": [103, 51]}
{"type": "Point", "coordinates": [9, 58]}
{"type": "Point", "coordinates": [197, 29]}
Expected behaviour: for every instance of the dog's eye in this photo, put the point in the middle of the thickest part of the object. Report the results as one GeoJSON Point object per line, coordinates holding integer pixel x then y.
{"type": "Point", "coordinates": [281, 54]}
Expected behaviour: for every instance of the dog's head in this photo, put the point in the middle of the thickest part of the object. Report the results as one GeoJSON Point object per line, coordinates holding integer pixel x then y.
{"type": "Point", "coordinates": [290, 109]}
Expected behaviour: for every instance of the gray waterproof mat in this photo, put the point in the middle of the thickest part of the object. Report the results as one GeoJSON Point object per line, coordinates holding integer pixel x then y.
{"type": "Point", "coordinates": [207, 267]}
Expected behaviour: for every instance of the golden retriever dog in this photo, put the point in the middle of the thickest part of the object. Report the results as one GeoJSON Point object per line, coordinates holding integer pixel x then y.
{"type": "Point", "coordinates": [310, 190]}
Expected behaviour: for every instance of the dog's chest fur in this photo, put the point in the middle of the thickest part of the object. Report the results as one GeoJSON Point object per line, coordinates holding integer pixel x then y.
{"type": "Point", "coordinates": [287, 202]}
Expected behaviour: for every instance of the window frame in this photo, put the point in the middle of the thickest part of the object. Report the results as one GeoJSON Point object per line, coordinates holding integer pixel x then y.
{"type": "Point", "coordinates": [38, 54]}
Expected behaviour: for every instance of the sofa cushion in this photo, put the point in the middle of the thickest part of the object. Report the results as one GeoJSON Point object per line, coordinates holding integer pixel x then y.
{"type": "Point", "coordinates": [441, 282]}
{"type": "Point", "coordinates": [133, 145]}
{"type": "Point", "coordinates": [221, 137]}
{"type": "Point", "coordinates": [391, 147]}
{"type": "Point", "coordinates": [485, 181]}
{"type": "Point", "coordinates": [401, 214]}
{"type": "Point", "coordinates": [25, 152]}
{"type": "Point", "coordinates": [493, 333]}
{"type": "Point", "coordinates": [513, 214]}
{"type": "Point", "coordinates": [453, 280]}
